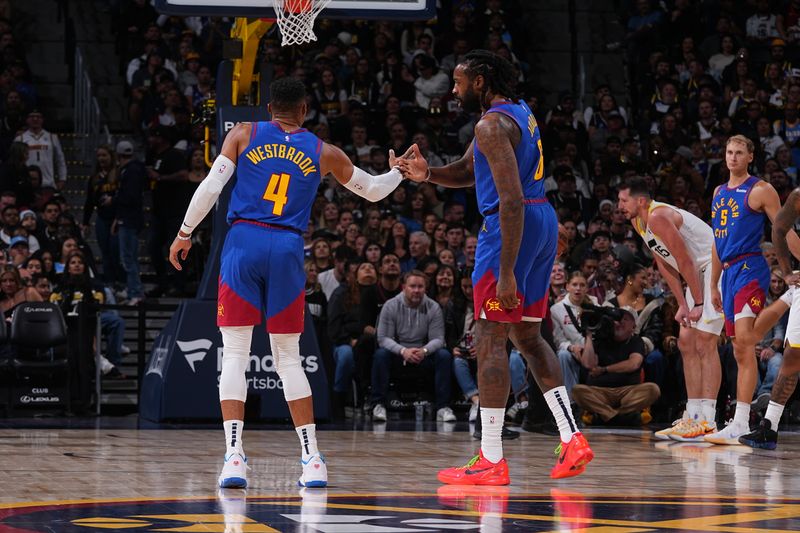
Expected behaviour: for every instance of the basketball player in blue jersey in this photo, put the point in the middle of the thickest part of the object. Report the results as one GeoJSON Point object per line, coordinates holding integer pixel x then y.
{"type": "Point", "coordinates": [517, 246]}
{"type": "Point", "coordinates": [738, 212]}
{"type": "Point", "coordinates": [279, 165]}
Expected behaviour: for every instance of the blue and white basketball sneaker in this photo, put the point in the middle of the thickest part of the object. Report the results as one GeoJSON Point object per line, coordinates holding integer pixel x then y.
{"type": "Point", "coordinates": [234, 472]}
{"type": "Point", "coordinates": [315, 472]}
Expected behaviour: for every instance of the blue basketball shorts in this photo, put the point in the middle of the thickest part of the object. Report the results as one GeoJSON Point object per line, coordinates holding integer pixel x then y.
{"type": "Point", "coordinates": [261, 275]}
{"type": "Point", "coordinates": [537, 253]}
{"type": "Point", "coordinates": [745, 285]}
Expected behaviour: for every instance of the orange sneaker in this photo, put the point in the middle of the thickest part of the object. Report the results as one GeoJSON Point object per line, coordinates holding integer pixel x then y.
{"type": "Point", "coordinates": [573, 457]}
{"type": "Point", "coordinates": [478, 471]}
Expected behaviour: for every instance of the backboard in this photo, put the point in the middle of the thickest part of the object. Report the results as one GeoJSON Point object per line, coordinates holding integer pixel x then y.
{"type": "Point", "coordinates": [337, 9]}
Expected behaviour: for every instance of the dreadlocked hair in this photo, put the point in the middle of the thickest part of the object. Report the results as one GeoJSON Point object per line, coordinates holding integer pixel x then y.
{"type": "Point", "coordinates": [497, 72]}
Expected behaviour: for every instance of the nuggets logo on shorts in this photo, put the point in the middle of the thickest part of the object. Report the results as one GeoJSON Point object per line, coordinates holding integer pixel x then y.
{"type": "Point", "coordinates": [493, 304]}
{"type": "Point", "coordinates": [220, 310]}
{"type": "Point", "coordinates": [755, 302]}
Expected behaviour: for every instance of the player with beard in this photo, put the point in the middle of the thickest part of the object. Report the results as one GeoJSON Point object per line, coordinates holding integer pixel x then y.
{"type": "Point", "coordinates": [517, 246]}
{"type": "Point", "coordinates": [681, 245]}
{"type": "Point", "coordinates": [766, 434]}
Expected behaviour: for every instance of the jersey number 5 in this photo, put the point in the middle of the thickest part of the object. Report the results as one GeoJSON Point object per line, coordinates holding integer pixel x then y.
{"type": "Point", "coordinates": [276, 192]}
{"type": "Point", "coordinates": [663, 252]}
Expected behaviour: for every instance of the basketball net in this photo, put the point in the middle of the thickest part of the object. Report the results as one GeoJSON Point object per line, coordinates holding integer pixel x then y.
{"type": "Point", "coordinates": [296, 19]}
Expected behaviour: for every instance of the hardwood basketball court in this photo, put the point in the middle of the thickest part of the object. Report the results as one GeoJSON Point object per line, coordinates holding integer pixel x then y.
{"type": "Point", "coordinates": [109, 477]}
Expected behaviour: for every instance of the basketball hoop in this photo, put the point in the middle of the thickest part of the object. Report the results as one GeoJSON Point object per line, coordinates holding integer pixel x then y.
{"type": "Point", "coordinates": [296, 19]}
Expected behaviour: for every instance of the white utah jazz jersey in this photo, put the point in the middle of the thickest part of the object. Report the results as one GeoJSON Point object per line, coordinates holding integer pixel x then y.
{"type": "Point", "coordinates": [697, 235]}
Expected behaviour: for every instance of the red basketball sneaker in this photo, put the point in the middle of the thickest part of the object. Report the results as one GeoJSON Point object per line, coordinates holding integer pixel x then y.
{"type": "Point", "coordinates": [478, 471]}
{"type": "Point", "coordinates": [474, 498]}
{"type": "Point", "coordinates": [572, 457]}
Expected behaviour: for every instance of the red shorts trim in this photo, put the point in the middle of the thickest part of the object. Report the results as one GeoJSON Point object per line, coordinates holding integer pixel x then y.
{"type": "Point", "coordinates": [291, 319]}
{"type": "Point", "coordinates": [233, 310]}
{"type": "Point", "coordinates": [751, 295]}
{"type": "Point", "coordinates": [486, 303]}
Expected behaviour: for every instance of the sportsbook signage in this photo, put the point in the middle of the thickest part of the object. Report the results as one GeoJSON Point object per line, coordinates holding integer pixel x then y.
{"type": "Point", "coordinates": [182, 375]}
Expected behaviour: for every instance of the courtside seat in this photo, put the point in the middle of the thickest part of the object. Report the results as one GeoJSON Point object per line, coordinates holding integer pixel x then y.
{"type": "Point", "coordinates": [40, 358]}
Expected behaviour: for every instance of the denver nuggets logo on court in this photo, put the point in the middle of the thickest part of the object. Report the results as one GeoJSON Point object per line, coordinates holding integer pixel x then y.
{"type": "Point", "coordinates": [451, 508]}
{"type": "Point", "coordinates": [493, 304]}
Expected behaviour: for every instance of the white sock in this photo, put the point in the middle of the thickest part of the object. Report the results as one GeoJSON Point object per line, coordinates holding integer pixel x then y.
{"type": "Point", "coordinates": [742, 416]}
{"type": "Point", "coordinates": [709, 410]}
{"type": "Point", "coordinates": [308, 440]}
{"type": "Point", "coordinates": [774, 413]}
{"type": "Point", "coordinates": [558, 402]}
{"type": "Point", "coordinates": [233, 436]}
{"type": "Point", "coordinates": [492, 433]}
{"type": "Point", "coordinates": [693, 408]}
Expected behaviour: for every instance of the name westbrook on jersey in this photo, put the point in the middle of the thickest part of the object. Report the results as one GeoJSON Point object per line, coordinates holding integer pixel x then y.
{"type": "Point", "coordinates": [259, 154]}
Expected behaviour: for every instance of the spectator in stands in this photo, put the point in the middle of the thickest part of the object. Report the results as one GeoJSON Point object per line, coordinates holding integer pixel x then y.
{"type": "Point", "coordinates": [129, 218]}
{"type": "Point", "coordinates": [168, 169]}
{"type": "Point", "coordinates": [44, 151]}
{"type": "Point", "coordinates": [431, 82]}
{"type": "Point", "coordinates": [14, 172]}
{"type": "Point", "coordinates": [398, 241]}
{"type": "Point", "coordinates": [764, 25]}
{"type": "Point", "coordinates": [411, 334]}
{"type": "Point", "coordinates": [74, 294]}
{"type": "Point", "coordinates": [613, 388]}
{"type": "Point", "coordinates": [12, 122]}
{"type": "Point", "coordinates": [43, 286]}
{"type": "Point", "coordinates": [100, 191]}
{"type": "Point", "coordinates": [14, 292]}
{"type": "Point", "coordinates": [418, 246]}
{"type": "Point", "coordinates": [12, 228]}
{"type": "Point", "coordinates": [202, 89]}
{"type": "Point", "coordinates": [346, 328]}
{"type": "Point", "coordinates": [18, 251]}
{"type": "Point", "coordinates": [321, 254]}
{"type": "Point", "coordinates": [332, 278]}
{"type": "Point", "coordinates": [649, 320]}
{"type": "Point", "coordinates": [444, 288]}
{"type": "Point", "coordinates": [567, 328]}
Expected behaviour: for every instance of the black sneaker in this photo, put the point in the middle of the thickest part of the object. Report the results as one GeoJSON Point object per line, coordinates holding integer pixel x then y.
{"type": "Point", "coordinates": [763, 437]}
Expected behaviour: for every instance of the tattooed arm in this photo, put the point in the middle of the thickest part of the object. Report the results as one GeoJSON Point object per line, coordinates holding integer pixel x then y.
{"type": "Point", "coordinates": [496, 136]}
{"type": "Point", "coordinates": [455, 175]}
{"type": "Point", "coordinates": [781, 226]}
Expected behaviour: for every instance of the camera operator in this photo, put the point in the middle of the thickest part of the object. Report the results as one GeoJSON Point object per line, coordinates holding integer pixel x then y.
{"type": "Point", "coordinates": [613, 355]}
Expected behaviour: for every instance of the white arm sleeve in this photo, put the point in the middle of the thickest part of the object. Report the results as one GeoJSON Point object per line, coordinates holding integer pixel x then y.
{"type": "Point", "coordinates": [207, 193]}
{"type": "Point", "coordinates": [374, 188]}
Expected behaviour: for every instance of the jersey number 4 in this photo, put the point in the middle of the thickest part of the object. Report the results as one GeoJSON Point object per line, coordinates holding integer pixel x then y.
{"type": "Point", "coordinates": [276, 192]}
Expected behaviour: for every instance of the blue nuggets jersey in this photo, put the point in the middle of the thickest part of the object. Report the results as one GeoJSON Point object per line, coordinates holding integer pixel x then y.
{"type": "Point", "coordinates": [529, 159]}
{"type": "Point", "coordinates": [277, 177]}
{"type": "Point", "coordinates": [737, 228]}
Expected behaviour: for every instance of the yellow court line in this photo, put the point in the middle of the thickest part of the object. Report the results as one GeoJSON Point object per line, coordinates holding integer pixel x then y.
{"type": "Point", "coordinates": [711, 523]}
{"type": "Point", "coordinates": [648, 502]}
{"type": "Point", "coordinates": [667, 498]}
